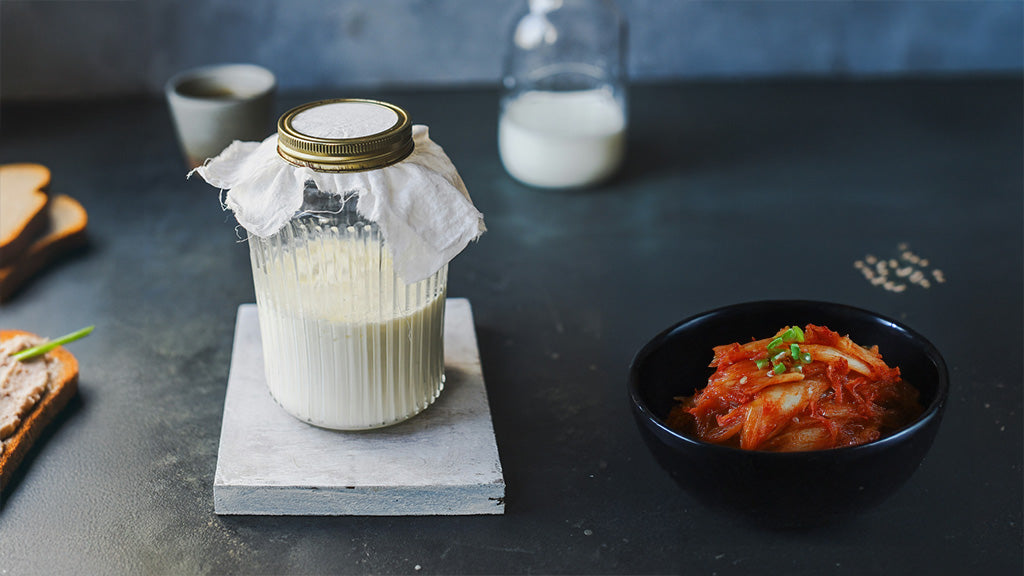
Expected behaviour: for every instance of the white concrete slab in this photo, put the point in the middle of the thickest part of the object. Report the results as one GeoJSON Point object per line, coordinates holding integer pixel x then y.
{"type": "Point", "coordinates": [443, 461]}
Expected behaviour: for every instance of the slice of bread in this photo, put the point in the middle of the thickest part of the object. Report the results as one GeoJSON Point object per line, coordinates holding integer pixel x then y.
{"type": "Point", "coordinates": [22, 207]}
{"type": "Point", "coordinates": [65, 231]}
{"type": "Point", "coordinates": [62, 368]}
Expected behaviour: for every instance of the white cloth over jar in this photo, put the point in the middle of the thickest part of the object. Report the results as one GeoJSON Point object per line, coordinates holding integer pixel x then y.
{"type": "Point", "coordinates": [420, 204]}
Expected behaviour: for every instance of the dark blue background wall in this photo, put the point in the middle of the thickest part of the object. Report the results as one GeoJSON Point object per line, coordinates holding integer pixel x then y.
{"type": "Point", "coordinates": [57, 49]}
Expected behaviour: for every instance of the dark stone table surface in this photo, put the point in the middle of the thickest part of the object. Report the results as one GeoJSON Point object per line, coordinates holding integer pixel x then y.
{"type": "Point", "coordinates": [731, 192]}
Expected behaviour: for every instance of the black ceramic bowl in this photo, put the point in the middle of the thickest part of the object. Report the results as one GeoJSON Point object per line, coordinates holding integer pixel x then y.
{"type": "Point", "coordinates": [783, 488]}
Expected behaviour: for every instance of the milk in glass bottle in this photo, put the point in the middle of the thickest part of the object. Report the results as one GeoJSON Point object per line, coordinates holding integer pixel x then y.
{"type": "Point", "coordinates": [563, 110]}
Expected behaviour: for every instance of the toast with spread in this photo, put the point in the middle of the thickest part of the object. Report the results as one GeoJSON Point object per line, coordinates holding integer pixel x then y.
{"type": "Point", "coordinates": [32, 393]}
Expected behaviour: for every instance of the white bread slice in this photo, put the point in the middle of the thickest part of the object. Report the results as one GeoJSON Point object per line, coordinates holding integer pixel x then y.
{"type": "Point", "coordinates": [65, 231]}
{"type": "Point", "coordinates": [63, 385]}
{"type": "Point", "coordinates": [22, 207]}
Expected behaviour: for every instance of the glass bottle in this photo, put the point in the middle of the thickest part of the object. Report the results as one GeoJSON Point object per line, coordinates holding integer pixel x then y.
{"type": "Point", "coordinates": [347, 343]}
{"type": "Point", "coordinates": [563, 110]}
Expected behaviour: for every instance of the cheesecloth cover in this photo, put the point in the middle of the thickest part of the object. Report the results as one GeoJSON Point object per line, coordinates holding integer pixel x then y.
{"type": "Point", "coordinates": [420, 204]}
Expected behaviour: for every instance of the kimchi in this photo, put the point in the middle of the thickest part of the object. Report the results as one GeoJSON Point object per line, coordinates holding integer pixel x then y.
{"type": "Point", "coordinates": [801, 389]}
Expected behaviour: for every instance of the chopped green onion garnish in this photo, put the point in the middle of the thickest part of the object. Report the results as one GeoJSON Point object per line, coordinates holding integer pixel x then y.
{"type": "Point", "coordinates": [46, 347]}
{"type": "Point", "coordinates": [778, 351]}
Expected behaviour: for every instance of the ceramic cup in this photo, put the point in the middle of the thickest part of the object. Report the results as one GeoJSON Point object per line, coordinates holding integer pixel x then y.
{"type": "Point", "coordinates": [213, 106]}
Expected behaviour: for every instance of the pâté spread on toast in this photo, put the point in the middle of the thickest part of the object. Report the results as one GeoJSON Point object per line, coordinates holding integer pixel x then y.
{"type": "Point", "coordinates": [32, 393]}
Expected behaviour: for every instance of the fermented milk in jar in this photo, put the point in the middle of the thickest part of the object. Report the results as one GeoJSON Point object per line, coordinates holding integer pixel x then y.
{"type": "Point", "coordinates": [347, 343]}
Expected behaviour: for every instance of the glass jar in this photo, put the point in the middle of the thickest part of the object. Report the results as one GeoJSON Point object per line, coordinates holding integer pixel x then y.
{"type": "Point", "coordinates": [347, 344]}
{"type": "Point", "coordinates": [563, 110]}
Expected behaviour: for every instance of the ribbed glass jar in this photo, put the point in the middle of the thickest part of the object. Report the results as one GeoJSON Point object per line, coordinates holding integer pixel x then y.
{"type": "Point", "coordinates": [347, 344]}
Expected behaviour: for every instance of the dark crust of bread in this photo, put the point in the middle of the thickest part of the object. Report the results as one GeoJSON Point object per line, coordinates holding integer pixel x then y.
{"type": "Point", "coordinates": [38, 176]}
{"type": "Point", "coordinates": [47, 249]}
{"type": "Point", "coordinates": [29, 233]}
{"type": "Point", "coordinates": [64, 386]}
